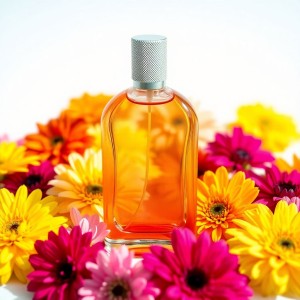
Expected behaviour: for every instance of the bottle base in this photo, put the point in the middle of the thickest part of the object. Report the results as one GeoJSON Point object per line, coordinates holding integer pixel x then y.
{"type": "Point", "coordinates": [139, 246]}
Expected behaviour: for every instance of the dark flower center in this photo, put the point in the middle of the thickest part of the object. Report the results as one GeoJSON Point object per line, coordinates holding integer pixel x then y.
{"type": "Point", "coordinates": [65, 271]}
{"type": "Point", "coordinates": [217, 209]}
{"type": "Point", "coordinates": [196, 279]}
{"type": "Point", "coordinates": [13, 226]}
{"type": "Point", "coordinates": [119, 291]}
{"type": "Point", "coordinates": [177, 121]}
{"type": "Point", "coordinates": [32, 180]}
{"type": "Point", "coordinates": [286, 244]}
{"type": "Point", "coordinates": [286, 189]}
{"type": "Point", "coordinates": [56, 139]}
{"type": "Point", "coordinates": [94, 189]}
{"type": "Point", "coordinates": [241, 156]}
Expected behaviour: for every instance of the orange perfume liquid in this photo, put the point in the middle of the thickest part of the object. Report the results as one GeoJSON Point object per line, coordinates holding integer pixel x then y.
{"type": "Point", "coordinates": [149, 145]}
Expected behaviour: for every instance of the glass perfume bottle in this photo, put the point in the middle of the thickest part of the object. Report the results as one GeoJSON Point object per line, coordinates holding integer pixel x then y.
{"type": "Point", "coordinates": [149, 148]}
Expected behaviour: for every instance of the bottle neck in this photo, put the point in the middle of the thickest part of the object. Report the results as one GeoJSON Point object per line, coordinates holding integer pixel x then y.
{"type": "Point", "coordinates": [149, 85]}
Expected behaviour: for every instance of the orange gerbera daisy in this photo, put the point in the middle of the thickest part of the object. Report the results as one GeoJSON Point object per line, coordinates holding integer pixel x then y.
{"type": "Point", "coordinates": [58, 138]}
{"type": "Point", "coordinates": [222, 200]}
{"type": "Point", "coordinates": [88, 107]}
{"type": "Point", "coordinates": [285, 166]}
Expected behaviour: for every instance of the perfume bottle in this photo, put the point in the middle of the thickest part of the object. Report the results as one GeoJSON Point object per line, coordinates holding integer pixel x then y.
{"type": "Point", "coordinates": [149, 147]}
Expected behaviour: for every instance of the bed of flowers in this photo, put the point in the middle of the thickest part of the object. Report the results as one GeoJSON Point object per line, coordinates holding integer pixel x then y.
{"type": "Point", "coordinates": [248, 220]}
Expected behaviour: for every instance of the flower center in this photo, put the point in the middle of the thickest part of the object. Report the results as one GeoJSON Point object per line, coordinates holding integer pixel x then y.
{"type": "Point", "coordinates": [94, 189]}
{"type": "Point", "coordinates": [286, 243]}
{"type": "Point", "coordinates": [217, 209]}
{"type": "Point", "coordinates": [177, 121]}
{"type": "Point", "coordinates": [13, 226]}
{"type": "Point", "coordinates": [56, 140]}
{"type": "Point", "coordinates": [65, 271]}
{"type": "Point", "coordinates": [286, 189]}
{"type": "Point", "coordinates": [196, 279]}
{"type": "Point", "coordinates": [119, 290]}
{"type": "Point", "coordinates": [241, 156]}
{"type": "Point", "coordinates": [32, 180]}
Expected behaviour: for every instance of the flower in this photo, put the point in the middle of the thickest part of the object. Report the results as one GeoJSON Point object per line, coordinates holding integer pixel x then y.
{"type": "Point", "coordinates": [88, 107]}
{"type": "Point", "coordinates": [58, 138]}
{"type": "Point", "coordinates": [23, 219]}
{"type": "Point", "coordinates": [95, 132]}
{"type": "Point", "coordinates": [59, 265]}
{"type": "Point", "coordinates": [79, 184]}
{"type": "Point", "coordinates": [239, 152]}
{"type": "Point", "coordinates": [116, 277]}
{"type": "Point", "coordinates": [222, 200]}
{"type": "Point", "coordinates": [285, 166]}
{"type": "Point", "coordinates": [268, 246]}
{"type": "Point", "coordinates": [197, 269]}
{"type": "Point", "coordinates": [277, 185]}
{"type": "Point", "coordinates": [13, 158]}
{"type": "Point", "coordinates": [37, 177]}
{"type": "Point", "coordinates": [204, 163]}
{"type": "Point", "coordinates": [275, 130]}
{"type": "Point", "coordinates": [89, 223]}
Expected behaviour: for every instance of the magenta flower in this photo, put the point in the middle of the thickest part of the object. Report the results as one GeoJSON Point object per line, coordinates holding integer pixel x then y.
{"type": "Point", "coordinates": [59, 265]}
{"type": "Point", "coordinates": [239, 152]}
{"type": "Point", "coordinates": [89, 223]}
{"type": "Point", "coordinates": [197, 269]}
{"type": "Point", "coordinates": [277, 185]}
{"type": "Point", "coordinates": [37, 177]}
{"type": "Point", "coordinates": [116, 277]}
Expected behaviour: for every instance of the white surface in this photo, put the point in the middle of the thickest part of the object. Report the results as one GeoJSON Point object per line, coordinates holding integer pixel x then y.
{"type": "Point", "coordinates": [223, 53]}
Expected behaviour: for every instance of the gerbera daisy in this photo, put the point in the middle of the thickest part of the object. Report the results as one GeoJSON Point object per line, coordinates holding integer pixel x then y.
{"type": "Point", "coordinates": [89, 223]}
{"type": "Point", "coordinates": [95, 132]}
{"type": "Point", "coordinates": [13, 158]}
{"type": "Point", "coordinates": [79, 184]}
{"type": "Point", "coordinates": [222, 200]}
{"type": "Point", "coordinates": [23, 219]}
{"type": "Point", "coordinates": [59, 265]}
{"type": "Point", "coordinates": [276, 185]}
{"type": "Point", "coordinates": [58, 138]}
{"type": "Point", "coordinates": [268, 246]}
{"type": "Point", "coordinates": [88, 107]}
{"type": "Point", "coordinates": [285, 166]}
{"type": "Point", "coordinates": [275, 130]}
{"type": "Point", "coordinates": [197, 269]}
{"type": "Point", "coordinates": [37, 177]}
{"type": "Point", "coordinates": [238, 152]}
{"type": "Point", "coordinates": [117, 277]}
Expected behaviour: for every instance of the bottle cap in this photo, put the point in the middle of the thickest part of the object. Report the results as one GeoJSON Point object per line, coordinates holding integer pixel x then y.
{"type": "Point", "coordinates": [149, 61]}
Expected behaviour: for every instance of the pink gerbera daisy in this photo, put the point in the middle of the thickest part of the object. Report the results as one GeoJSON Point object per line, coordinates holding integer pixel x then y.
{"type": "Point", "coordinates": [238, 152]}
{"type": "Point", "coordinates": [277, 185]}
{"type": "Point", "coordinates": [116, 277]}
{"type": "Point", "coordinates": [59, 265]}
{"type": "Point", "coordinates": [197, 269]}
{"type": "Point", "coordinates": [37, 177]}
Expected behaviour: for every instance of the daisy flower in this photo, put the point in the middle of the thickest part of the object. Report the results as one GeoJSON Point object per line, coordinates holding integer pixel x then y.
{"type": "Point", "coordinates": [285, 166]}
{"type": "Point", "coordinates": [13, 158]}
{"type": "Point", "coordinates": [268, 246]}
{"type": "Point", "coordinates": [197, 269]}
{"type": "Point", "coordinates": [23, 220]}
{"type": "Point", "coordinates": [59, 265]}
{"type": "Point", "coordinates": [276, 130]}
{"type": "Point", "coordinates": [95, 132]}
{"type": "Point", "coordinates": [37, 177]}
{"type": "Point", "coordinates": [222, 200]}
{"type": "Point", "coordinates": [89, 107]}
{"type": "Point", "coordinates": [89, 223]}
{"type": "Point", "coordinates": [79, 184]}
{"type": "Point", "coordinates": [238, 152]}
{"type": "Point", "coordinates": [117, 277]}
{"type": "Point", "coordinates": [58, 138]}
{"type": "Point", "coordinates": [204, 163]}
{"type": "Point", "coordinates": [277, 185]}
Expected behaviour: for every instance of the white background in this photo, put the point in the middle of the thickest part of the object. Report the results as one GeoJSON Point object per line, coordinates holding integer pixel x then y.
{"type": "Point", "coordinates": [222, 53]}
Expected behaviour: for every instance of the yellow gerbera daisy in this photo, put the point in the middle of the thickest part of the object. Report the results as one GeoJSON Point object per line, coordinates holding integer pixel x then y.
{"type": "Point", "coordinates": [95, 132]}
{"type": "Point", "coordinates": [221, 201]}
{"type": "Point", "coordinates": [285, 166]}
{"type": "Point", "coordinates": [89, 107]}
{"type": "Point", "coordinates": [23, 220]}
{"type": "Point", "coordinates": [13, 158]}
{"type": "Point", "coordinates": [275, 130]}
{"type": "Point", "coordinates": [268, 246]}
{"type": "Point", "coordinates": [79, 184]}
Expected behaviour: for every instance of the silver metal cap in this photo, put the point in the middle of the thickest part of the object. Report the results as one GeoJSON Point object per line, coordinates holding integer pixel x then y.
{"type": "Point", "coordinates": [149, 61]}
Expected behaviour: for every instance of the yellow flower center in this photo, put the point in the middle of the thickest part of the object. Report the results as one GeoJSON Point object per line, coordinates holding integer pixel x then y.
{"type": "Point", "coordinates": [217, 212]}
{"type": "Point", "coordinates": [286, 244]}
{"type": "Point", "coordinates": [13, 226]}
{"type": "Point", "coordinates": [94, 189]}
